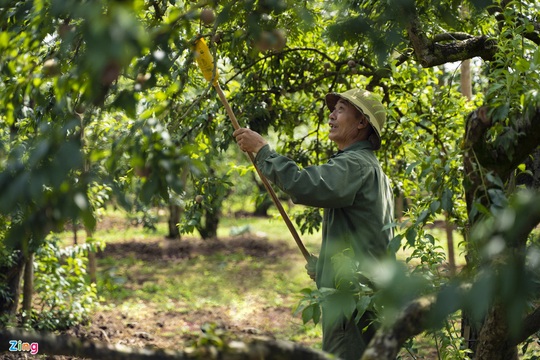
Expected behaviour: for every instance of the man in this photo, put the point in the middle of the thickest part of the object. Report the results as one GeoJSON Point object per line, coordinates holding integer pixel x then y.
{"type": "Point", "coordinates": [355, 195]}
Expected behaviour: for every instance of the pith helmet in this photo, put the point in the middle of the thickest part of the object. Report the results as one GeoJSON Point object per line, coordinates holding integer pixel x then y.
{"type": "Point", "coordinates": [367, 103]}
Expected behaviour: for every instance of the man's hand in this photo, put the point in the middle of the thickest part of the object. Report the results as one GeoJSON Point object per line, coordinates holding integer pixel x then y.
{"type": "Point", "coordinates": [311, 267]}
{"type": "Point", "coordinates": [249, 140]}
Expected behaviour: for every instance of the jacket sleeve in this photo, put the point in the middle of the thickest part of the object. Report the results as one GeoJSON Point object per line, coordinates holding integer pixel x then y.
{"type": "Point", "coordinates": [332, 185]}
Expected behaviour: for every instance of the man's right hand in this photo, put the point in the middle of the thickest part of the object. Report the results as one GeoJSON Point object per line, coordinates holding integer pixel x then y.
{"type": "Point", "coordinates": [311, 267]}
{"type": "Point", "coordinates": [249, 140]}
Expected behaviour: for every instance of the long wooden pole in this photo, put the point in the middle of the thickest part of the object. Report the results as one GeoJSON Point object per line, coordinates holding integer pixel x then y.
{"type": "Point", "coordinates": [270, 190]}
{"type": "Point", "coordinates": [206, 64]}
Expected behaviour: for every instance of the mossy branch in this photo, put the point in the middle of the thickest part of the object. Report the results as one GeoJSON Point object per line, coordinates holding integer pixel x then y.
{"type": "Point", "coordinates": [268, 349]}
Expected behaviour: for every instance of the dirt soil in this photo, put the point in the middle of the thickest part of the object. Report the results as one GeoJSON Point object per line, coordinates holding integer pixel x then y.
{"type": "Point", "coordinates": [168, 330]}
{"type": "Point", "coordinates": [168, 250]}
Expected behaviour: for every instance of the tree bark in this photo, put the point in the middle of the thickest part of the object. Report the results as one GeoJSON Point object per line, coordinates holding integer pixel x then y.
{"type": "Point", "coordinates": [431, 52]}
{"type": "Point", "coordinates": [493, 342]}
{"type": "Point", "coordinates": [466, 84]}
{"type": "Point", "coordinates": [503, 161]}
{"type": "Point", "coordinates": [476, 126]}
{"type": "Point", "coordinates": [209, 226]}
{"type": "Point", "coordinates": [481, 157]}
{"type": "Point", "coordinates": [235, 350]}
{"type": "Point", "coordinates": [476, 161]}
{"type": "Point", "coordinates": [175, 211]}
{"type": "Point", "coordinates": [92, 262]}
{"type": "Point", "coordinates": [491, 339]}
{"type": "Point", "coordinates": [28, 288]}
{"type": "Point", "coordinates": [13, 276]}
{"type": "Point", "coordinates": [387, 342]}
{"type": "Point", "coordinates": [531, 325]}
{"type": "Point", "coordinates": [531, 178]}
{"type": "Point", "coordinates": [261, 207]}
{"type": "Point", "coordinates": [449, 229]}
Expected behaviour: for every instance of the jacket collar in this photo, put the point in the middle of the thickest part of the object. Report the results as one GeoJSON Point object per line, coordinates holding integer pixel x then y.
{"type": "Point", "coordinates": [359, 145]}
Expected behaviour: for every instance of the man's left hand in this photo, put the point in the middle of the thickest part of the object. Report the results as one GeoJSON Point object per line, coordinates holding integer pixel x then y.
{"type": "Point", "coordinates": [311, 267]}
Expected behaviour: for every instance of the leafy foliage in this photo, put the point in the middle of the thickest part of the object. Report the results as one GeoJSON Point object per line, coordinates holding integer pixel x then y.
{"type": "Point", "coordinates": [64, 295]}
{"type": "Point", "coordinates": [100, 103]}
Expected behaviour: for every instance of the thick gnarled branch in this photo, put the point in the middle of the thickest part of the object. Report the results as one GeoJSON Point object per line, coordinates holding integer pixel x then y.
{"type": "Point", "coordinates": [480, 46]}
{"type": "Point", "coordinates": [234, 350]}
{"type": "Point", "coordinates": [431, 52]}
{"type": "Point", "coordinates": [412, 321]}
{"type": "Point", "coordinates": [503, 160]}
{"type": "Point", "coordinates": [531, 325]}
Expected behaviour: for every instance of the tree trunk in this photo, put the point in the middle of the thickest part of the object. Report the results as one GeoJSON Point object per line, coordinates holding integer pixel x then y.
{"type": "Point", "coordinates": [92, 262]}
{"type": "Point", "coordinates": [261, 207]}
{"type": "Point", "coordinates": [466, 84]}
{"type": "Point", "coordinates": [476, 124]}
{"type": "Point", "coordinates": [481, 158]}
{"type": "Point", "coordinates": [531, 177]}
{"type": "Point", "coordinates": [493, 341]}
{"type": "Point", "coordinates": [175, 211]}
{"type": "Point", "coordinates": [386, 343]}
{"type": "Point", "coordinates": [208, 228]}
{"type": "Point", "coordinates": [28, 288]}
{"type": "Point", "coordinates": [449, 228]}
{"type": "Point", "coordinates": [74, 228]}
{"type": "Point", "coordinates": [466, 90]}
{"type": "Point", "coordinates": [399, 207]}
{"type": "Point", "coordinates": [13, 275]}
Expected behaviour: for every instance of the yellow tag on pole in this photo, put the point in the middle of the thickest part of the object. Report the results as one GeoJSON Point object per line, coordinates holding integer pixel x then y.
{"type": "Point", "coordinates": [205, 61]}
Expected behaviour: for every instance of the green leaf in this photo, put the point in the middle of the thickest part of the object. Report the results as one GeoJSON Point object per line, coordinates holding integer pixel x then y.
{"type": "Point", "coordinates": [494, 179]}
{"type": "Point", "coordinates": [434, 206]}
{"type": "Point", "coordinates": [340, 303]}
{"type": "Point", "coordinates": [411, 236]}
{"type": "Point", "coordinates": [522, 65]}
{"type": "Point", "coordinates": [395, 243]}
{"type": "Point", "coordinates": [307, 313]}
{"type": "Point", "coordinates": [482, 209]}
{"type": "Point", "coordinates": [126, 101]}
{"type": "Point", "coordinates": [498, 198]}
{"type": "Point", "coordinates": [446, 200]}
{"type": "Point", "coordinates": [361, 306]}
{"type": "Point", "coordinates": [316, 314]}
{"type": "Point", "coordinates": [4, 40]}
{"type": "Point", "coordinates": [390, 225]}
{"type": "Point", "coordinates": [411, 167]}
{"type": "Point", "coordinates": [423, 216]}
{"type": "Point", "coordinates": [306, 291]}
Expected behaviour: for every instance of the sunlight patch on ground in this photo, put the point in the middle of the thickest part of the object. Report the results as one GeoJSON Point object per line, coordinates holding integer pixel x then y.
{"type": "Point", "coordinates": [243, 308]}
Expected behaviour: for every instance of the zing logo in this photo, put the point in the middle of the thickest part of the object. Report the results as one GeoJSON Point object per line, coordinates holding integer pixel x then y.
{"type": "Point", "coordinates": [15, 345]}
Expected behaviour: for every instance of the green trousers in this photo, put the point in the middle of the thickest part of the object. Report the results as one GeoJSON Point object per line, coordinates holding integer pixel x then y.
{"type": "Point", "coordinates": [347, 339]}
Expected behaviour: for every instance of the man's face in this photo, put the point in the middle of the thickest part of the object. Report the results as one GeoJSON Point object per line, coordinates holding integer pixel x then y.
{"type": "Point", "coordinates": [345, 124]}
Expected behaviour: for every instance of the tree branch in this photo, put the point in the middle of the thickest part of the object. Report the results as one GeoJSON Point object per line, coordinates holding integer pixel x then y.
{"type": "Point", "coordinates": [527, 129]}
{"type": "Point", "coordinates": [531, 325]}
{"type": "Point", "coordinates": [412, 321]}
{"type": "Point", "coordinates": [493, 341]}
{"type": "Point", "coordinates": [503, 160]}
{"type": "Point", "coordinates": [431, 53]}
{"type": "Point", "coordinates": [533, 35]}
{"type": "Point", "coordinates": [234, 350]}
{"type": "Point", "coordinates": [452, 37]}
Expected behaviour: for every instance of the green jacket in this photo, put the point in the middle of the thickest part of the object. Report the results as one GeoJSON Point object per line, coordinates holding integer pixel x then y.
{"type": "Point", "coordinates": [355, 194]}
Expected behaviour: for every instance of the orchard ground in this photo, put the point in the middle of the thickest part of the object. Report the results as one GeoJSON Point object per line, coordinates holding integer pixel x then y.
{"type": "Point", "coordinates": [162, 293]}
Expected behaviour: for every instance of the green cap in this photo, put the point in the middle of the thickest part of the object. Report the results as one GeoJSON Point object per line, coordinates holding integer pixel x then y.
{"type": "Point", "coordinates": [367, 103]}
